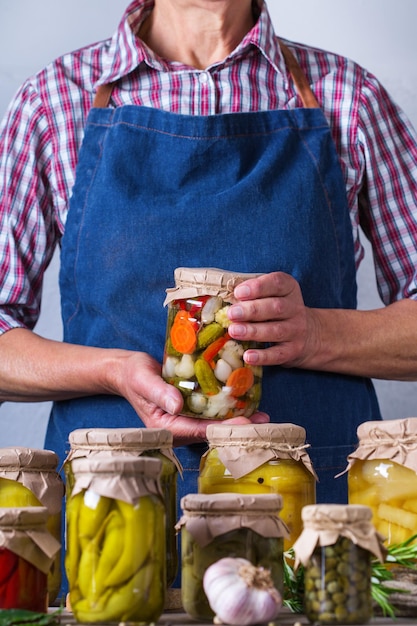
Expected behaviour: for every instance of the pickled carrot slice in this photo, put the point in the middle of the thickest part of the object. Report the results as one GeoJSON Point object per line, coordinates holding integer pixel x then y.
{"type": "Point", "coordinates": [183, 335]}
{"type": "Point", "coordinates": [240, 380]}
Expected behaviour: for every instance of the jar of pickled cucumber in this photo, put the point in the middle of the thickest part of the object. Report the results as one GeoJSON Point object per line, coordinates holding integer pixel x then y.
{"type": "Point", "coordinates": [220, 525]}
{"type": "Point", "coordinates": [26, 555]}
{"type": "Point", "coordinates": [116, 552]}
{"type": "Point", "coordinates": [29, 477]}
{"type": "Point", "coordinates": [261, 458]}
{"type": "Point", "coordinates": [200, 358]}
{"type": "Point", "coordinates": [152, 442]}
{"type": "Point", "coordinates": [382, 474]}
{"type": "Point", "coordinates": [335, 548]}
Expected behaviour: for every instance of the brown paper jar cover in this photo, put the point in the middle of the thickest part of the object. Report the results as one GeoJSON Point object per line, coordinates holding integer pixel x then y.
{"type": "Point", "coordinates": [191, 282]}
{"type": "Point", "coordinates": [207, 516]}
{"type": "Point", "coordinates": [243, 448]}
{"type": "Point", "coordinates": [394, 440]}
{"type": "Point", "coordinates": [119, 477]}
{"type": "Point", "coordinates": [23, 531]}
{"type": "Point", "coordinates": [325, 523]}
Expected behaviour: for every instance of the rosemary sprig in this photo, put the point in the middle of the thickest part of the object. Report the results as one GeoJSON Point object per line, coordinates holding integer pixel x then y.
{"type": "Point", "coordinates": [403, 554]}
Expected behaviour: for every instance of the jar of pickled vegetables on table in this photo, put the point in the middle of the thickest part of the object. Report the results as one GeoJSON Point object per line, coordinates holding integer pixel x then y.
{"type": "Point", "coordinates": [261, 458]}
{"type": "Point", "coordinates": [26, 555]}
{"type": "Point", "coordinates": [135, 442]}
{"type": "Point", "coordinates": [382, 474]}
{"type": "Point", "coordinates": [200, 358]}
{"type": "Point", "coordinates": [29, 477]}
{"type": "Point", "coordinates": [335, 548]}
{"type": "Point", "coordinates": [220, 525]}
{"type": "Point", "coordinates": [116, 552]}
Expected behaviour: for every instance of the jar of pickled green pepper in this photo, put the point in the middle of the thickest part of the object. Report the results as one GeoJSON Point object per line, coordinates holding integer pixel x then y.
{"type": "Point", "coordinates": [135, 442]}
{"type": "Point", "coordinates": [335, 548]}
{"type": "Point", "coordinates": [382, 474]}
{"type": "Point", "coordinates": [261, 458]}
{"type": "Point", "coordinates": [116, 551]}
{"type": "Point", "coordinates": [29, 477]}
{"type": "Point", "coordinates": [26, 555]}
{"type": "Point", "coordinates": [200, 358]}
{"type": "Point", "coordinates": [220, 525]}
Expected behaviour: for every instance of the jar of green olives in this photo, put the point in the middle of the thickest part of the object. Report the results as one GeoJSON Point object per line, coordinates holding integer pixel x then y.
{"type": "Point", "coordinates": [135, 442]}
{"type": "Point", "coordinates": [29, 477]}
{"type": "Point", "coordinates": [261, 458]}
{"type": "Point", "coordinates": [200, 358]}
{"type": "Point", "coordinates": [220, 525]}
{"type": "Point", "coordinates": [26, 555]}
{"type": "Point", "coordinates": [382, 474]}
{"type": "Point", "coordinates": [335, 548]}
{"type": "Point", "coordinates": [116, 552]}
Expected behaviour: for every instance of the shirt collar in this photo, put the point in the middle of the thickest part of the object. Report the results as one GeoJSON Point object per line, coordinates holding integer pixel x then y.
{"type": "Point", "coordinates": [125, 51]}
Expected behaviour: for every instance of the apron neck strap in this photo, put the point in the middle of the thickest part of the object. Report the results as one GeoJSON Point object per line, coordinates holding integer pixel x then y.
{"type": "Point", "coordinates": [104, 92]}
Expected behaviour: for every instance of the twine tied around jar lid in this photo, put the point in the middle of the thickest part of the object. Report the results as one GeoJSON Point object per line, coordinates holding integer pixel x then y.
{"type": "Point", "coordinates": [394, 440]}
{"type": "Point", "coordinates": [85, 442]}
{"type": "Point", "coordinates": [122, 477]}
{"type": "Point", "coordinates": [36, 470]}
{"type": "Point", "coordinates": [243, 448]}
{"type": "Point", "coordinates": [325, 523]}
{"type": "Point", "coordinates": [191, 282]}
{"type": "Point", "coordinates": [207, 516]}
{"type": "Point", "coordinates": [23, 531]}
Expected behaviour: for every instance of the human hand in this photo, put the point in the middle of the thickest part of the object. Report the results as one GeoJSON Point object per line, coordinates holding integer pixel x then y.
{"type": "Point", "coordinates": [159, 404]}
{"type": "Point", "coordinates": [271, 309]}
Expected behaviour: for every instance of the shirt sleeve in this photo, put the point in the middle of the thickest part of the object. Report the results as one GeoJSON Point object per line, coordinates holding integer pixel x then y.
{"type": "Point", "coordinates": [388, 199]}
{"type": "Point", "coordinates": [28, 234]}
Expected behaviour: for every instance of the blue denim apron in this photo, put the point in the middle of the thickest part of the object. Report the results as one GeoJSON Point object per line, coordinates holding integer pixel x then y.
{"type": "Point", "coordinates": [248, 192]}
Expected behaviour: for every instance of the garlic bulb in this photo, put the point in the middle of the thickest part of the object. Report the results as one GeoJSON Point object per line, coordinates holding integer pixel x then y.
{"type": "Point", "coordinates": [240, 593]}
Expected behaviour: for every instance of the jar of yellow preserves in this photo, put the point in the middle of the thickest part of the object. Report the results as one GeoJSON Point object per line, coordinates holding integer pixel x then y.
{"type": "Point", "coordinates": [135, 442]}
{"type": "Point", "coordinates": [261, 458]}
{"type": "Point", "coordinates": [116, 552]}
{"type": "Point", "coordinates": [214, 526]}
{"type": "Point", "coordinates": [382, 474]}
{"type": "Point", "coordinates": [200, 358]}
{"type": "Point", "coordinates": [335, 548]}
{"type": "Point", "coordinates": [29, 477]}
{"type": "Point", "coordinates": [26, 555]}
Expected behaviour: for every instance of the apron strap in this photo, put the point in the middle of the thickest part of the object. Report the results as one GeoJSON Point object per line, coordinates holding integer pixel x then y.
{"type": "Point", "coordinates": [104, 92]}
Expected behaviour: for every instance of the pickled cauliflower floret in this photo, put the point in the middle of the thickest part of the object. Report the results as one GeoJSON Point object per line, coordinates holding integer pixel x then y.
{"type": "Point", "coordinates": [220, 404]}
{"type": "Point", "coordinates": [210, 308]}
{"type": "Point", "coordinates": [185, 367]}
{"type": "Point", "coordinates": [221, 317]}
{"type": "Point", "coordinates": [222, 370]}
{"type": "Point", "coordinates": [232, 353]}
{"type": "Point", "coordinates": [197, 402]}
{"type": "Point", "coordinates": [168, 368]}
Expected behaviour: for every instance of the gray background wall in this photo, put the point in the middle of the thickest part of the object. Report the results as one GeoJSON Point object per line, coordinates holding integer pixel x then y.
{"type": "Point", "coordinates": [379, 34]}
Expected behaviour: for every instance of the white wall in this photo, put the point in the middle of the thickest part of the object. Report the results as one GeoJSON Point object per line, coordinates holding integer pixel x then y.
{"type": "Point", "coordinates": [379, 34]}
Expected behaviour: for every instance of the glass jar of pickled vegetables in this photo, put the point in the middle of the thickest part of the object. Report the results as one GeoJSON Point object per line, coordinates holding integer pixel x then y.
{"type": "Point", "coordinates": [29, 477]}
{"type": "Point", "coordinates": [135, 442]}
{"type": "Point", "coordinates": [116, 553]}
{"type": "Point", "coordinates": [200, 358]}
{"type": "Point", "coordinates": [220, 525]}
{"type": "Point", "coordinates": [335, 549]}
{"type": "Point", "coordinates": [26, 555]}
{"type": "Point", "coordinates": [382, 474]}
{"type": "Point", "coordinates": [261, 458]}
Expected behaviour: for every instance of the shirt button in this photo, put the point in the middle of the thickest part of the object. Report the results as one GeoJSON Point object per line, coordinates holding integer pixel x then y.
{"type": "Point", "coordinates": [203, 78]}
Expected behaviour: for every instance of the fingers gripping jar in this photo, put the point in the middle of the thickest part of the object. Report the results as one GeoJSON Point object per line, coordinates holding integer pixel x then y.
{"type": "Point", "coordinates": [214, 526]}
{"type": "Point", "coordinates": [382, 474]}
{"type": "Point", "coordinates": [26, 555]}
{"type": "Point", "coordinates": [115, 559]}
{"type": "Point", "coordinates": [261, 458]}
{"type": "Point", "coordinates": [135, 442]}
{"type": "Point", "coordinates": [29, 477]}
{"type": "Point", "coordinates": [335, 549]}
{"type": "Point", "coordinates": [200, 358]}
